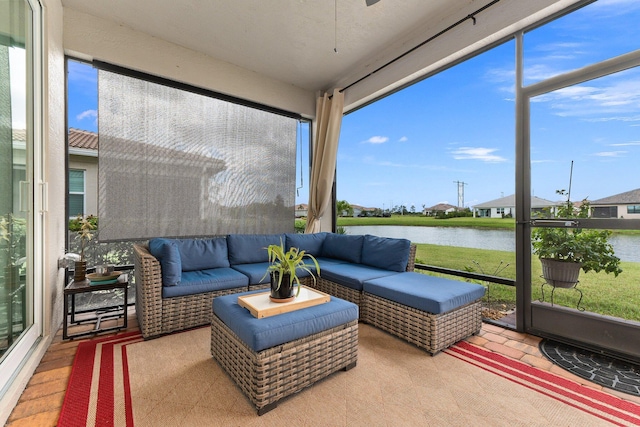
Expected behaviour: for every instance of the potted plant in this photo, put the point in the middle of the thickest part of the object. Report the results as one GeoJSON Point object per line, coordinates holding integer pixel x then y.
{"type": "Point", "coordinates": [563, 252]}
{"type": "Point", "coordinates": [83, 227]}
{"type": "Point", "coordinates": [284, 269]}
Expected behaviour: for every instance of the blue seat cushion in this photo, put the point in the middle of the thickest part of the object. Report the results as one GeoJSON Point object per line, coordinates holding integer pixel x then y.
{"type": "Point", "coordinates": [255, 272]}
{"type": "Point", "coordinates": [261, 334]}
{"type": "Point", "coordinates": [167, 253]}
{"type": "Point", "coordinates": [352, 275]}
{"type": "Point", "coordinates": [203, 254]}
{"type": "Point", "coordinates": [343, 246]}
{"type": "Point", "coordinates": [200, 281]}
{"type": "Point", "coordinates": [251, 248]}
{"type": "Point", "coordinates": [386, 253]}
{"type": "Point", "coordinates": [310, 243]}
{"type": "Point", "coordinates": [432, 294]}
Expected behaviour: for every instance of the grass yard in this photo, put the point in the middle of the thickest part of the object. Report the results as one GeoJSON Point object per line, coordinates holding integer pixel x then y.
{"type": "Point", "coordinates": [603, 293]}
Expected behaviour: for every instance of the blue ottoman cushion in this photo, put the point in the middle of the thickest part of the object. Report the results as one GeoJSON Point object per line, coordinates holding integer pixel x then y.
{"type": "Point", "coordinates": [427, 293]}
{"type": "Point", "coordinates": [260, 334]}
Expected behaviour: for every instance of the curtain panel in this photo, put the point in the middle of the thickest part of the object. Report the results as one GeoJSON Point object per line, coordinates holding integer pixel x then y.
{"type": "Point", "coordinates": [329, 112]}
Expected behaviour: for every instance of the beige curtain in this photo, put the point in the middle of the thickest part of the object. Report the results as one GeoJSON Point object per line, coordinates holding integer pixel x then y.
{"type": "Point", "coordinates": [325, 149]}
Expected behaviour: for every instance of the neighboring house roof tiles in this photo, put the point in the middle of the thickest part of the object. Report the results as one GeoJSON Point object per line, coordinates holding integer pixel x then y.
{"type": "Point", "coordinates": [510, 202]}
{"type": "Point", "coordinates": [442, 207]}
{"type": "Point", "coordinates": [626, 198]}
{"type": "Point", "coordinates": [83, 139]}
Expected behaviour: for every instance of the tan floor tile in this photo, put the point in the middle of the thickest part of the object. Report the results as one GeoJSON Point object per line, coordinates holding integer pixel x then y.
{"type": "Point", "coordinates": [489, 336]}
{"type": "Point", "coordinates": [505, 350]}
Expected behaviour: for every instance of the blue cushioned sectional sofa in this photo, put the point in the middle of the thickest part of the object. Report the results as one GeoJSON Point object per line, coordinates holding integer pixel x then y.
{"type": "Point", "coordinates": [176, 279]}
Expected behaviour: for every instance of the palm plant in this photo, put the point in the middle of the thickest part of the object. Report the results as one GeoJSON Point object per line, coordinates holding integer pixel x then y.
{"type": "Point", "coordinates": [288, 263]}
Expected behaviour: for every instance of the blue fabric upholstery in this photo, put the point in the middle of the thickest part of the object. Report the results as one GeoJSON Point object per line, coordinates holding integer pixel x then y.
{"type": "Point", "coordinates": [427, 293]}
{"type": "Point", "coordinates": [255, 272]}
{"type": "Point", "coordinates": [342, 246]}
{"type": "Point", "coordinates": [203, 254]}
{"type": "Point", "coordinates": [310, 243]}
{"type": "Point", "coordinates": [352, 275]}
{"type": "Point", "coordinates": [200, 281]}
{"type": "Point", "coordinates": [386, 253]}
{"type": "Point", "coordinates": [166, 251]}
{"type": "Point", "coordinates": [261, 334]}
{"type": "Point", "coordinates": [251, 248]}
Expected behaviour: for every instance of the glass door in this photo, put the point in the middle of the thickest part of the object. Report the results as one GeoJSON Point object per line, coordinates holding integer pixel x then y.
{"type": "Point", "coordinates": [17, 100]}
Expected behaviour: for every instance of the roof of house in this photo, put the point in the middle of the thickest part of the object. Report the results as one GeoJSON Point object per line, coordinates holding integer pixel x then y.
{"type": "Point", "coordinates": [362, 208]}
{"type": "Point", "coordinates": [625, 198]}
{"type": "Point", "coordinates": [442, 207]}
{"type": "Point", "coordinates": [83, 139]}
{"type": "Point", "coordinates": [510, 202]}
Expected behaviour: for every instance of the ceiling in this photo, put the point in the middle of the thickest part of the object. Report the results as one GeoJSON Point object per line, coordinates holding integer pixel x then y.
{"type": "Point", "coordinates": [307, 45]}
{"type": "Point", "coordinates": [294, 41]}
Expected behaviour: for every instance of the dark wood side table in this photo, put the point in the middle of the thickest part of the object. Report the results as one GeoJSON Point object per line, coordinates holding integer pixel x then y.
{"type": "Point", "coordinates": [114, 312]}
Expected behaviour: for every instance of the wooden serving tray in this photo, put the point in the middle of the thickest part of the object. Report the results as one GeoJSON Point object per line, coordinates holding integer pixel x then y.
{"type": "Point", "coordinates": [260, 305]}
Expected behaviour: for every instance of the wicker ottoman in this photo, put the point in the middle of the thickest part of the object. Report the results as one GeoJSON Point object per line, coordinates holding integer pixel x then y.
{"type": "Point", "coordinates": [266, 375]}
{"type": "Point", "coordinates": [430, 312]}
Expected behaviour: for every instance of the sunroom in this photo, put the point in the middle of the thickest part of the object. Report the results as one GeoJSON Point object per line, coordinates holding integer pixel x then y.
{"type": "Point", "coordinates": [298, 65]}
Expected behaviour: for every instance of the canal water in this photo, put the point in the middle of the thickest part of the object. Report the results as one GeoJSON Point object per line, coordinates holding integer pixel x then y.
{"type": "Point", "coordinates": [627, 248]}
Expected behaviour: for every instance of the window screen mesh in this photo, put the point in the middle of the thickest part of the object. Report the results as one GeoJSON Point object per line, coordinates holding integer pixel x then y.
{"type": "Point", "coordinates": [178, 164]}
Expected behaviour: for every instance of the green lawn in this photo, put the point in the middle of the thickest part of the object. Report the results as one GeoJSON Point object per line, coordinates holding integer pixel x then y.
{"type": "Point", "coordinates": [603, 293]}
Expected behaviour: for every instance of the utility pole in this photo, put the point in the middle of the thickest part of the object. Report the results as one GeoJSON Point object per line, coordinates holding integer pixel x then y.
{"type": "Point", "coordinates": [460, 193]}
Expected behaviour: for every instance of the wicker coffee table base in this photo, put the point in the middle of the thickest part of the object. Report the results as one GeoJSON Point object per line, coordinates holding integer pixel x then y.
{"type": "Point", "coordinates": [267, 376]}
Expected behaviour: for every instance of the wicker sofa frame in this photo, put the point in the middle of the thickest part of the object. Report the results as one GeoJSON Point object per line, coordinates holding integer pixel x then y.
{"type": "Point", "coordinates": [158, 316]}
{"type": "Point", "coordinates": [277, 372]}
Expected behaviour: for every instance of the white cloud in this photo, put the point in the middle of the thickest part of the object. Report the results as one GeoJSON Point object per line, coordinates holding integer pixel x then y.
{"type": "Point", "coordinates": [625, 144]}
{"type": "Point", "coordinates": [403, 139]}
{"type": "Point", "coordinates": [610, 153]}
{"type": "Point", "coordinates": [614, 98]}
{"type": "Point", "coordinates": [87, 114]}
{"type": "Point", "coordinates": [377, 140]}
{"type": "Point", "coordinates": [478, 153]}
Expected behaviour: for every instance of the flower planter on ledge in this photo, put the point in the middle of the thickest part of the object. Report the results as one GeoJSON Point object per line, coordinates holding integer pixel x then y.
{"type": "Point", "coordinates": [560, 274]}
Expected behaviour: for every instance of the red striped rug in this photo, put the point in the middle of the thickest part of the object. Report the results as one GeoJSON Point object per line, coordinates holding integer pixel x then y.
{"type": "Point", "coordinates": [98, 389]}
{"type": "Point", "coordinates": [99, 392]}
{"type": "Point", "coordinates": [603, 405]}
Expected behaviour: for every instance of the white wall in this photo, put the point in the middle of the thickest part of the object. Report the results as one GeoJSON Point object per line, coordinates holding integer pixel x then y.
{"type": "Point", "coordinates": [89, 37]}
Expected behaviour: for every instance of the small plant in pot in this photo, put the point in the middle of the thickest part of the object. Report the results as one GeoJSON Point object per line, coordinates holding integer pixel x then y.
{"type": "Point", "coordinates": [83, 227]}
{"type": "Point", "coordinates": [563, 252]}
{"type": "Point", "coordinates": [284, 269]}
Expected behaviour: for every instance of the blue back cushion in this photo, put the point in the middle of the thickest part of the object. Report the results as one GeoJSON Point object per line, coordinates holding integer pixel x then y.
{"type": "Point", "coordinates": [386, 253]}
{"type": "Point", "coordinates": [166, 251]}
{"type": "Point", "coordinates": [250, 248]}
{"type": "Point", "coordinates": [203, 254]}
{"type": "Point", "coordinates": [343, 246]}
{"type": "Point", "coordinates": [310, 243]}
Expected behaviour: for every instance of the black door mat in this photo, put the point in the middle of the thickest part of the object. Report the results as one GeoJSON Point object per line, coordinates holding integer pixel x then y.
{"type": "Point", "coordinates": [603, 370]}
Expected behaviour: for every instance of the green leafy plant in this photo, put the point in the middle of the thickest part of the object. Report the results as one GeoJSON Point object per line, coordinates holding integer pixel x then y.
{"type": "Point", "coordinates": [590, 248]}
{"type": "Point", "coordinates": [288, 262]}
{"type": "Point", "coordinates": [84, 226]}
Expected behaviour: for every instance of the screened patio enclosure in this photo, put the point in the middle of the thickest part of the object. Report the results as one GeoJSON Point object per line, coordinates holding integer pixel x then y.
{"type": "Point", "coordinates": [275, 56]}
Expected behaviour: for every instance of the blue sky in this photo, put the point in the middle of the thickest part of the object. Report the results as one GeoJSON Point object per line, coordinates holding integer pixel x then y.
{"type": "Point", "coordinates": [414, 146]}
